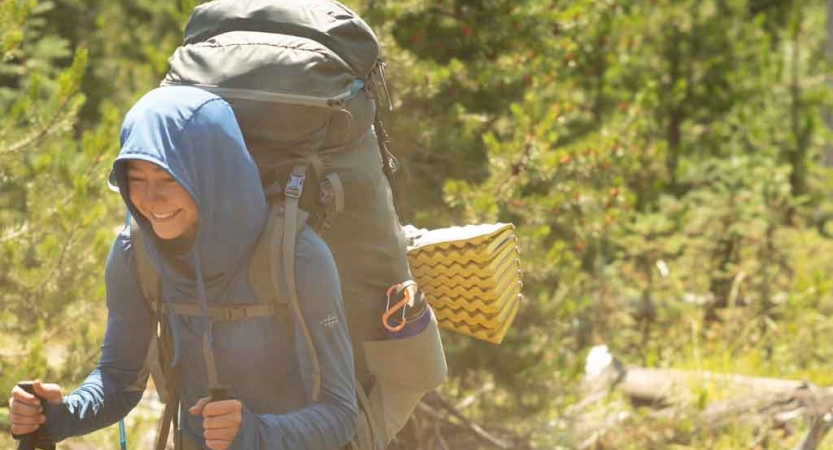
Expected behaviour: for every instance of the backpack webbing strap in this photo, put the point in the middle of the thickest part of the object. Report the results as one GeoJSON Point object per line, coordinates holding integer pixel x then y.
{"type": "Point", "coordinates": [317, 165]}
{"type": "Point", "coordinates": [331, 196]}
{"type": "Point", "coordinates": [286, 246]}
{"type": "Point", "coordinates": [389, 162]}
{"type": "Point", "coordinates": [223, 313]}
{"type": "Point", "coordinates": [333, 193]}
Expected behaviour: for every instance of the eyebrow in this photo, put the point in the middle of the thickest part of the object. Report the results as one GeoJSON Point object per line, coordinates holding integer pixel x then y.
{"type": "Point", "coordinates": [155, 168]}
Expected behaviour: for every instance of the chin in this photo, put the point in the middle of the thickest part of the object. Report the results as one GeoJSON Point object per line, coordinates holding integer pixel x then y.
{"type": "Point", "coordinates": [167, 235]}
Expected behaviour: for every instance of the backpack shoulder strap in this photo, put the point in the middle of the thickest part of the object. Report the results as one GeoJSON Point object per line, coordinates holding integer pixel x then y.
{"type": "Point", "coordinates": [263, 263]}
{"type": "Point", "coordinates": [147, 276]}
{"type": "Point", "coordinates": [286, 222]}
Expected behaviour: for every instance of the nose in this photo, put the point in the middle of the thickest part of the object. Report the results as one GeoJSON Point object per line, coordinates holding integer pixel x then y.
{"type": "Point", "coordinates": [151, 193]}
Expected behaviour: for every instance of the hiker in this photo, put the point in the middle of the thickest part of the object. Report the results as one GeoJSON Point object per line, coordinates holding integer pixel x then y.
{"type": "Point", "coordinates": [193, 189]}
{"type": "Point", "coordinates": [307, 83]}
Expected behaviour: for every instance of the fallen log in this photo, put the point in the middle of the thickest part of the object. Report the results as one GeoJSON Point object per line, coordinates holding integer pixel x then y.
{"type": "Point", "coordinates": [669, 385]}
{"type": "Point", "coordinates": [673, 392]}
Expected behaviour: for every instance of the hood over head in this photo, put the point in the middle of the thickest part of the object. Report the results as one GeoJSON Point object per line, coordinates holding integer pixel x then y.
{"type": "Point", "coordinates": [194, 136]}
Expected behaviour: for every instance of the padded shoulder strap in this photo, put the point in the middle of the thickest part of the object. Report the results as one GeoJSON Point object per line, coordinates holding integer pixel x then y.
{"type": "Point", "coordinates": [260, 263]}
{"type": "Point", "coordinates": [148, 278]}
{"type": "Point", "coordinates": [283, 247]}
{"type": "Point", "coordinates": [263, 263]}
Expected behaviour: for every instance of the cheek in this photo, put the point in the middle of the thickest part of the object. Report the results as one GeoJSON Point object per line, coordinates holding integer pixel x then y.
{"type": "Point", "coordinates": [185, 202]}
{"type": "Point", "coordinates": [134, 198]}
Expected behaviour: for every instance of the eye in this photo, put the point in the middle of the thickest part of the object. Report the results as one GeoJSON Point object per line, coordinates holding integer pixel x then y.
{"type": "Point", "coordinates": [135, 179]}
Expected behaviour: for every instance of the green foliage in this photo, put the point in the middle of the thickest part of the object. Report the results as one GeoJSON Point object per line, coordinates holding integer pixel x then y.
{"type": "Point", "coordinates": [660, 159]}
{"type": "Point", "coordinates": [69, 70]}
{"type": "Point", "coordinates": [55, 226]}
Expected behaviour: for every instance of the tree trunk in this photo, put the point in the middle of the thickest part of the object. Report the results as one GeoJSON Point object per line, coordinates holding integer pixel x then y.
{"type": "Point", "coordinates": [827, 152]}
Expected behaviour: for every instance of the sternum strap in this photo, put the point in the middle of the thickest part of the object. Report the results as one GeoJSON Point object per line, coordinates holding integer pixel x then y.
{"type": "Point", "coordinates": [222, 313]}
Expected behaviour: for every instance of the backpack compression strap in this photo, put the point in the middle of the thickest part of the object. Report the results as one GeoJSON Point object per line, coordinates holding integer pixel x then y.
{"type": "Point", "coordinates": [389, 162]}
{"type": "Point", "coordinates": [285, 246]}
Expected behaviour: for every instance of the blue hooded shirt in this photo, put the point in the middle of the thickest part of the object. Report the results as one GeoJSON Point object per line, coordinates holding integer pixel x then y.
{"type": "Point", "coordinates": [194, 136]}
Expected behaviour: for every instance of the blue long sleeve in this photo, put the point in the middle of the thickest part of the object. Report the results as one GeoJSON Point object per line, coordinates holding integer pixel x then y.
{"type": "Point", "coordinates": [116, 385]}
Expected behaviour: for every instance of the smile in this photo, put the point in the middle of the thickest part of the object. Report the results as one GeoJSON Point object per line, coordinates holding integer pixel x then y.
{"type": "Point", "coordinates": [164, 216]}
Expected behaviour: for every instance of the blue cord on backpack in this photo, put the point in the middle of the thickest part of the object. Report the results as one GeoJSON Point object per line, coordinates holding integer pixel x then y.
{"type": "Point", "coordinates": [122, 435]}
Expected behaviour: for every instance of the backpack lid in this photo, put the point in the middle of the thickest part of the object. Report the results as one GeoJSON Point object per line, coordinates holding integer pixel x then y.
{"type": "Point", "coordinates": [325, 21]}
{"type": "Point", "coordinates": [265, 66]}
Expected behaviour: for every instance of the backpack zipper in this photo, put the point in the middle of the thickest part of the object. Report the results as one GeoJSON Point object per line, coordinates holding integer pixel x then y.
{"type": "Point", "coordinates": [337, 102]}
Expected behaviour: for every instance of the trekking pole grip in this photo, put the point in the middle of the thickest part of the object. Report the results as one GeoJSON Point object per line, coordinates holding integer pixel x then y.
{"type": "Point", "coordinates": [28, 441]}
{"type": "Point", "coordinates": [219, 394]}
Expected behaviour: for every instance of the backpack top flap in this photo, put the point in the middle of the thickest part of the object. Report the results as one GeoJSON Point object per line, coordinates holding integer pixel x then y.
{"type": "Point", "coordinates": [283, 89]}
{"type": "Point", "coordinates": [277, 67]}
{"type": "Point", "coordinates": [325, 21]}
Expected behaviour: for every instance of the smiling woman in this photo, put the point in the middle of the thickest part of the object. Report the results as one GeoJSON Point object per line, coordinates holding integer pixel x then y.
{"type": "Point", "coordinates": [185, 174]}
{"type": "Point", "coordinates": [168, 207]}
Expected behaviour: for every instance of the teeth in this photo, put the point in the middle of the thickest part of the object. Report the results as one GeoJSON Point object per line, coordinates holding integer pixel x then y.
{"type": "Point", "coordinates": [162, 216]}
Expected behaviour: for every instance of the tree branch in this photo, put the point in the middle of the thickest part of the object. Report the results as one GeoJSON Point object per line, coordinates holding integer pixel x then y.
{"type": "Point", "coordinates": [40, 134]}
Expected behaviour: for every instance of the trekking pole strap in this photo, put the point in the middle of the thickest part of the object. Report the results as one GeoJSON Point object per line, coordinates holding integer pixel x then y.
{"type": "Point", "coordinates": [286, 246]}
{"type": "Point", "coordinates": [165, 423]}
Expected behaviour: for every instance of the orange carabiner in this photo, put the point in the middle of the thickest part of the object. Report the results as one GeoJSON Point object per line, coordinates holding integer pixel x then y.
{"type": "Point", "coordinates": [409, 287]}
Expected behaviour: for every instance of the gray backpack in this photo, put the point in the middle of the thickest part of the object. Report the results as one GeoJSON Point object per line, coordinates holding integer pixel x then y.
{"type": "Point", "coordinates": [303, 78]}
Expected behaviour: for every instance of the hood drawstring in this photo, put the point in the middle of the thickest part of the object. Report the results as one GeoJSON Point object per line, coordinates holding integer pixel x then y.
{"type": "Point", "coordinates": [202, 297]}
{"type": "Point", "coordinates": [216, 390]}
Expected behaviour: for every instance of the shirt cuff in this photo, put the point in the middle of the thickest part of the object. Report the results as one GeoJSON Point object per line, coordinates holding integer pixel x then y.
{"type": "Point", "coordinates": [57, 419]}
{"type": "Point", "coordinates": [248, 437]}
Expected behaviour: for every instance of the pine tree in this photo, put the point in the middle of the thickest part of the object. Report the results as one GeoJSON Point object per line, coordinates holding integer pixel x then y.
{"type": "Point", "coordinates": [55, 224]}
{"type": "Point", "coordinates": [649, 151]}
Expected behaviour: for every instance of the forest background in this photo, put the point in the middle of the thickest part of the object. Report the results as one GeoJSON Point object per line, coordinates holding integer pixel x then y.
{"type": "Point", "coordinates": [666, 163]}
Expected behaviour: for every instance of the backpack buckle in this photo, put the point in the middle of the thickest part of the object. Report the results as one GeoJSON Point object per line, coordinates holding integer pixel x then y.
{"type": "Point", "coordinates": [295, 185]}
{"type": "Point", "coordinates": [235, 313]}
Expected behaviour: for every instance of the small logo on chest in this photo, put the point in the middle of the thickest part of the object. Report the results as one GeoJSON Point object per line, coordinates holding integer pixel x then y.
{"type": "Point", "coordinates": [329, 321]}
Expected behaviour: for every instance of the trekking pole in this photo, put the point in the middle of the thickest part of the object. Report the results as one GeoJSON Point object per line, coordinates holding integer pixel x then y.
{"type": "Point", "coordinates": [30, 441]}
{"type": "Point", "coordinates": [122, 435]}
{"type": "Point", "coordinates": [217, 391]}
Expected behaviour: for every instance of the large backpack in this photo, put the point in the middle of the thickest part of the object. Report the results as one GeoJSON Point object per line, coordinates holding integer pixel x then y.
{"type": "Point", "coordinates": [302, 77]}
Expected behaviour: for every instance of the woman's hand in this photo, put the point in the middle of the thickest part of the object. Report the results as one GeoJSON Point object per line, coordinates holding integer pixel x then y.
{"type": "Point", "coordinates": [221, 421]}
{"type": "Point", "coordinates": [25, 411]}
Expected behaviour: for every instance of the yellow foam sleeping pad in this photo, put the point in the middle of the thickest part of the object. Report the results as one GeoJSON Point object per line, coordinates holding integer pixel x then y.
{"type": "Point", "coordinates": [470, 276]}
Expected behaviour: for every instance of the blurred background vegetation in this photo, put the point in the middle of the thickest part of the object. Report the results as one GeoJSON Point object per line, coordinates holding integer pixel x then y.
{"type": "Point", "coordinates": [667, 164]}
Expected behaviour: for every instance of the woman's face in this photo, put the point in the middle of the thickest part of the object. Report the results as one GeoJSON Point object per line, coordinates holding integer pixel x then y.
{"type": "Point", "coordinates": [161, 200]}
